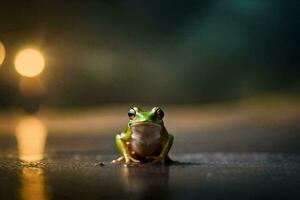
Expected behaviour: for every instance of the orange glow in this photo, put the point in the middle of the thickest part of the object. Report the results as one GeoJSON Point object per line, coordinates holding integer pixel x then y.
{"type": "Point", "coordinates": [31, 136]}
{"type": "Point", "coordinates": [2, 53]}
{"type": "Point", "coordinates": [33, 184]}
{"type": "Point", "coordinates": [29, 63]}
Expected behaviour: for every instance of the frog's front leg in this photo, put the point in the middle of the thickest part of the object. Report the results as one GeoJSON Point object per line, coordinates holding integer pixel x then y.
{"type": "Point", "coordinates": [161, 158]}
{"type": "Point", "coordinates": [124, 151]}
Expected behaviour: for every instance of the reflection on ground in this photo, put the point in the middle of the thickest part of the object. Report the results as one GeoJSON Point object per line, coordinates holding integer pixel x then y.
{"type": "Point", "coordinates": [31, 135]}
{"type": "Point", "coordinates": [32, 184]}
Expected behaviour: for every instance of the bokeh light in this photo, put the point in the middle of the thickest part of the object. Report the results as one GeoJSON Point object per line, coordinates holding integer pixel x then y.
{"type": "Point", "coordinates": [31, 134]}
{"type": "Point", "coordinates": [2, 53]}
{"type": "Point", "coordinates": [29, 63]}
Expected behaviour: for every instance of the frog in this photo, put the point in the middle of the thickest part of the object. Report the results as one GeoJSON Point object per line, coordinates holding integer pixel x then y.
{"type": "Point", "coordinates": [145, 139]}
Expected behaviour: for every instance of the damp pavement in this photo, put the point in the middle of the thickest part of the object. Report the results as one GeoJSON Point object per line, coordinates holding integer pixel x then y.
{"type": "Point", "coordinates": [206, 176]}
{"type": "Point", "coordinates": [236, 161]}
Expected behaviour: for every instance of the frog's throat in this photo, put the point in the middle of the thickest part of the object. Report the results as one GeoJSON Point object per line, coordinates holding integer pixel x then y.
{"type": "Point", "coordinates": [145, 129]}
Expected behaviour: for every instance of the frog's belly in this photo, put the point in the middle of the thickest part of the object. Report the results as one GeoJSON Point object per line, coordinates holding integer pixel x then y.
{"type": "Point", "coordinates": [146, 139]}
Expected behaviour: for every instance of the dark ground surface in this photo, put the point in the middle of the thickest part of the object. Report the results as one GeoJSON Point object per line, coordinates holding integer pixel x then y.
{"type": "Point", "coordinates": [77, 167]}
{"type": "Point", "coordinates": [228, 155]}
{"type": "Point", "coordinates": [209, 176]}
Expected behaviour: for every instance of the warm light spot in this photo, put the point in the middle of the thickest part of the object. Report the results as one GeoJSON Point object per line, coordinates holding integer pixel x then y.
{"type": "Point", "coordinates": [2, 53]}
{"type": "Point", "coordinates": [33, 184]}
{"type": "Point", "coordinates": [31, 136]}
{"type": "Point", "coordinates": [29, 63]}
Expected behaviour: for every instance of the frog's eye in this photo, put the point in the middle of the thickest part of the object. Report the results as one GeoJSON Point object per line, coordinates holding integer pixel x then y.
{"type": "Point", "coordinates": [131, 113]}
{"type": "Point", "coordinates": [159, 114]}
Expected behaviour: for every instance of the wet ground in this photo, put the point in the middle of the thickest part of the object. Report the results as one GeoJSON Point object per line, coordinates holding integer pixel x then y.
{"type": "Point", "coordinates": [240, 159]}
{"type": "Point", "coordinates": [76, 173]}
{"type": "Point", "coordinates": [202, 176]}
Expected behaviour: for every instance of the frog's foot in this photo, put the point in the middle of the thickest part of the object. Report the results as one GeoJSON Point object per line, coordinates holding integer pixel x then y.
{"type": "Point", "coordinates": [126, 159]}
{"type": "Point", "coordinates": [156, 159]}
{"type": "Point", "coordinates": [119, 160]}
{"type": "Point", "coordinates": [129, 159]}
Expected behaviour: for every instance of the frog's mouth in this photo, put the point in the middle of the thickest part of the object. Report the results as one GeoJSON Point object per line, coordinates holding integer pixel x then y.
{"type": "Point", "coordinates": [145, 129]}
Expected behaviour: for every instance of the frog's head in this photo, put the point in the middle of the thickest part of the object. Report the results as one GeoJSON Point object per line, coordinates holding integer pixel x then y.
{"type": "Point", "coordinates": [137, 116]}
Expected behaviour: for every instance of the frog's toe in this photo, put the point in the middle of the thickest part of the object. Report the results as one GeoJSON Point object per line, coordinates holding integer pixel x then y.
{"type": "Point", "coordinates": [118, 160]}
{"type": "Point", "coordinates": [129, 159]}
{"type": "Point", "coordinates": [134, 160]}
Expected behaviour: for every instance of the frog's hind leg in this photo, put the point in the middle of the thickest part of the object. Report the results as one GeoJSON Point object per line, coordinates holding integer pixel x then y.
{"type": "Point", "coordinates": [124, 151]}
{"type": "Point", "coordinates": [163, 157]}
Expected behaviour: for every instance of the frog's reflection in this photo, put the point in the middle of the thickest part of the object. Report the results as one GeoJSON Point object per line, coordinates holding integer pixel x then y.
{"type": "Point", "coordinates": [146, 182]}
{"type": "Point", "coordinates": [31, 136]}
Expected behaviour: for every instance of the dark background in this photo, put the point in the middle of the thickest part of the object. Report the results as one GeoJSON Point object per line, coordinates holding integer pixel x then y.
{"type": "Point", "coordinates": [153, 52]}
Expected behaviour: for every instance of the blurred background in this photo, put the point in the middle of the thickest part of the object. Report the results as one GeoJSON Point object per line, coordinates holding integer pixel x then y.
{"type": "Point", "coordinates": [219, 69]}
{"type": "Point", "coordinates": [169, 52]}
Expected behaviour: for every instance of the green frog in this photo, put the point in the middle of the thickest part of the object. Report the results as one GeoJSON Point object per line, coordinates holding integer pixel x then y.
{"type": "Point", "coordinates": [145, 139]}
